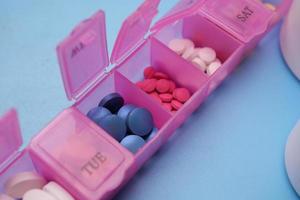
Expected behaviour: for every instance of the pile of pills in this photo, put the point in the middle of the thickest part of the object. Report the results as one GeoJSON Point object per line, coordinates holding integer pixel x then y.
{"type": "Point", "coordinates": [205, 58]}
{"type": "Point", "coordinates": [163, 89]}
{"type": "Point", "coordinates": [130, 125]}
{"type": "Point", "coordinates": [31, 186]}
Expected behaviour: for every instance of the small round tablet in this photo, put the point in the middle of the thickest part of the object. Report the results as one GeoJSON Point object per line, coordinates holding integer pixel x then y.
{"type": "Point", "coordinates": [163, 86]}
{"type": "Point", "coordinates": [168, 106]}
{"type": "Point", "coordinates": [176, 104]}
{"type": "Point", "coordinates": [112, 102]}
{"type": "Point", "coordinates": [188, 53]}
{"type": "Point", "coordinates": [37, 194]}
{"type": "Point", "coordinates": [96, 114]}
{"type": "Point", "coordinates": [161, 75]}
{"type": "Point", "coordinates": [115, 126]}
{"type": "Point", "coordinates": [133, 143]}
{"type": "Point", "coordinates": [140, 121]}
{"type": "Point", "coordinates": [22, 182]}
{"type": "Point", "coordinates": [213, 67]}
{"type": "Point", "coordinates": [172, 86]}
{"type": "Point", "coordinates": [149, 85]}
{"type": "Point", "coordinates": [181, 94]}
{"type": "Point", "coordinates": [125, 110]}
{"type": "Point", "coordinates": [207, 55]}
{"type": "Point", "coordinates": [166, 97]}
{"type": "Point", "coordinates": [149, 72]}
{"type": "Point", "coordinates": [5, 197]}
{"type": "Point", "coordinates": [152, 134]}
{"type": "Point", "coordinates": [199, 63]}
{"type": "Point", "coordinates": [57, 191]}
{"type": "Point", "coordinates": [180, 45]}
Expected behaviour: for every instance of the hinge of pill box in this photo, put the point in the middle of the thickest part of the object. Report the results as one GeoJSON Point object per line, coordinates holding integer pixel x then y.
{"type": "Point", "coordinates": [10, 159]}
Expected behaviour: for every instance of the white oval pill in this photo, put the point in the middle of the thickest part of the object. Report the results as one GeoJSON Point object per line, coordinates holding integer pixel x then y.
{"type": "Point", "coordinates": [57, 191]}
{"type": "Point", "coordinates": [199, 63]}
{"type": "Point", "coordinates": [20, 183]}
{"type": "Point", "coordinates": [207, 54]}
{"type": "Point", "coordinates": [213, 67]}
{"type": "Point", "coordinates": [37, 194]}
{"type": "Point", "coordinates": [5, 197]}
{"type": "Point", "coordinates": [180, 45]}
{"type": "Point", "coordinates": [188, 53]}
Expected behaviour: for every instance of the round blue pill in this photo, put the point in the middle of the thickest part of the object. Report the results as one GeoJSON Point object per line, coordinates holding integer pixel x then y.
{"type": "Point", "coordinates": [125, 110]}
{"type": "Point", "coordinates": [112, 102]}
{"type": "Point", "coordinates": [140, 121]}
{"type": "Point", "coordinates": [152, 134]}
{"type": "Point", "coordinates": [133, 143]}
{"type": "Point", "coordinates": [115, 126]}
{"type": "Point", "coordinates": [96, 114]}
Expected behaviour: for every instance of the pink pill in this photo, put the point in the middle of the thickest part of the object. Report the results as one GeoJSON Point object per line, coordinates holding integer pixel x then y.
{"type": "Point", "coordinates": [161, 75]}
{"type": "Point", "coordinates": [163, 86]}
{"type": "Point", "coordinates": [20, 183]}
{"type": "Point", "coordinates": [155, 95]}
{"type": "Point", "coordinates": [168, 106]}
{"type": "Point", "coordinates": [140, 84]}
{"type": "Point", "coordinates": [149, 72]}
{"type": "Point", "coordinates": [37, 194]}
{"type": "Point", "coordinates": [166, 97]}
{"type": "Point", "coordinates": [180, 45]}
{"type": "Point", "coordinates": [176, 104]}
{"type": "Point", "coordinates": [181, 94]}
{"type": "Point", "coordinates": [207, 55]}
{"type": "Point", "coordinates": [149, 85]}
{"type": "Point", "coordinates": [172, 86]}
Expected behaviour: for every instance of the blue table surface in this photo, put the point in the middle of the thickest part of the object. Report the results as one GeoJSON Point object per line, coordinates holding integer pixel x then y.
{"type": "Point", "coordinates": [232, 147]}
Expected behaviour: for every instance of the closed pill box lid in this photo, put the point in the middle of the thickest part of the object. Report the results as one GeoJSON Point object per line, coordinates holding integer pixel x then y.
{"type": "Point", "coordinates": [10, 135]}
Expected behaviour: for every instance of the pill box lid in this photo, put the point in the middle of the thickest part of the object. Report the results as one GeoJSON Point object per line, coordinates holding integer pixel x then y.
{"type": "Point", "coordinates": [243, 19]}
{"type": "Point", "coordinates": [83, 56]}
{"type": "Point", "coordinates": [10, 135]}
{"type": "Point", "coordinates": [134, 29]}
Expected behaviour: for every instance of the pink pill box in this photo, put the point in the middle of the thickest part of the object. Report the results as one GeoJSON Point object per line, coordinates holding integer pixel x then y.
{"type": "Point", "coordinates": [79, 155]}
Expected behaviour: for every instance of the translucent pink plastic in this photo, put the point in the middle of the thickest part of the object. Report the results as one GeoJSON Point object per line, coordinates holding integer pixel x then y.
{"type": "Point", "coordinates": [74, 151]}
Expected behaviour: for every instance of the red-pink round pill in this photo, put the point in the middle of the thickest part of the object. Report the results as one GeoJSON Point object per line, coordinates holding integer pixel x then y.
{"type": "Point", "coordinates": [162, 86]}
{"type": "Point", "coordinates": [172, 86]}
{"type": "Point", "coordinates": [168, 106]}
{"type": "Point", "coordinates": [181, 94]}
{"type": "Point", "coordinates": [149, 72]}
{"type": "Point", "coordinates": [176, 104]}
{"type": "Point", "coordinates": [149, 85]}
{"type": "Point", "coordinates": [166, 97]}
{"type": "Point", "coordinates": [161, 75]}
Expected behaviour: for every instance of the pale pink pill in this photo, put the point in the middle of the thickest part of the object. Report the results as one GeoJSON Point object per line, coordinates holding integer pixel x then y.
{"type": "Point", "coordinates": [5, 197]}
{"type": "Point", "coordinates": [19, 184]}
{"type": "Point", "coordinates": [213, 67]}
{"type": "Point", "coordinates": [188, 53]}
{"type": "Point", "coordinates": [199, 63]}
{"type": "Point", "coordinates": [37, 194]}
{"type": "Point", "coordinates": [180, 45]}
{"type": "Point", "coordinates": [57, 191]}
{"type": "Point", "coordinates": [207, 54]}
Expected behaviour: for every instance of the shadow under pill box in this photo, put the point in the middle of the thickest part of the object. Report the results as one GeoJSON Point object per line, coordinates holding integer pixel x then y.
{"type": "Point", "coordinates": [81, 155]}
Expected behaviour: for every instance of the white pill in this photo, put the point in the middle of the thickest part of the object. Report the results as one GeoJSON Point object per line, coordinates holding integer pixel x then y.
{"type": "Point", "coordinates": [213, 67]}
{"type": "Point", "coordinates": [20, 183]}
{"type": "Point", "coordinates": [5, 197]}
{"type": "Point", "coordinates": [188, 53]}
{"type": "Point", "coordinates": [57, 191]}
{"type": "Point", "coordinates": [180, 45]}
{"type": "Point", "coordinates": [199, 63]}
{"type": "Point", "coordinates": [37, 194]}
{"type": "Point", "coordinates": [208, 55]}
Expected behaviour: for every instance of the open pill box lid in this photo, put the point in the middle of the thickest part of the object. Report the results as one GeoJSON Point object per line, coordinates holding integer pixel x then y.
{"type": "Point", "coordinates": [83, 56]}
{"type": "Point", "coordinates": [10, 136]}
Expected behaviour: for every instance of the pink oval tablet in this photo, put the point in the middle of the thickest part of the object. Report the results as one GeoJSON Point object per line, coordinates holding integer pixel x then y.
{"type": "Point", "coordinates": [155, 95]}
{"type": "Point", "coordinates": [181, 94]}
{"type": "Point", "coordinates": [166, 97]}
{"type": "Point", "coordinates": [207, 54]}
{"type": "Point", "coordinates": [140, 84]}
{"type": "Point", "coordinates": [20, 183]}
{"type": "Point", "coordinates": [172, 86]}
{"type": "Point", "coordinates": [57, 191]}
{"type": "Point", "coordinates": [176, 104]}
{"type": "Point", "coordinates": [160, 75]}
{"type": "Point", "coordinates": [163, 86]}
{"type": "Point", "coordinates": [180, 45]}
{"type": "Point", "coordinates": [213, 67]}
{"type": "Point", "coordinates": [149, 85]}
{"type": "Point", "coordinates": [167, 106]}
{"type": "Point", "coordinates": [199, 63]}
{"type": "Point", "coordinates": [37, 194]}
{"type": "Point", "coordinates": [188, 53]}
{"type": "Point", "coordinates": [5, 197]}
{"type": "Point", "coordinates": [149, 72]}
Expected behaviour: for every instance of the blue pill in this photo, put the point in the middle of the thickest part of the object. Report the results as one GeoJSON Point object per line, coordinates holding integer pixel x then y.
{"type": "Point", "coordinates": [133, 143]}
{"type": "Point", "coordinates": [96, 114]}
{"type": "Point", "coordinates": [112, 102]}
{"type": "Point", "coordinates": [115, 126]}
{"type": "Point", "coordinates": [140, 121]}
{"type": "Point", "coordinates": [152, 134]}
{"type": "Point", "coordinates": [125, 110]}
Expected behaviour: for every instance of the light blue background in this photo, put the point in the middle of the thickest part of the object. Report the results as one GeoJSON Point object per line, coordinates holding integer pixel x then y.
{"type": "Point", "coordinates": [232, 147]}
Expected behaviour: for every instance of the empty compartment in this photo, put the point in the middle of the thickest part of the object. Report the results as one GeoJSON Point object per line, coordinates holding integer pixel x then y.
{"type": "Point", "coordinates": [162, 59]}
{"type": "Point", "coordinates": [203, 33]}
